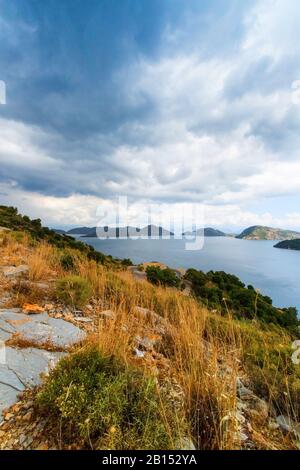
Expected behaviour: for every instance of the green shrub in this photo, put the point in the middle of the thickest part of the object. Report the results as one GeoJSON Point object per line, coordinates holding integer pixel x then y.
{"type": "Point", "coordinates": [99, 400]}
{"type": "Point", "coordinates": [244, 302]}
{"type": "Point", "coordinates": [164, 277]}
{"type": "Point", "coordinates": [73, 290]}
{"type": "Point", "coordinates": [67, 261]}
{"type": "Point", "coordinates": [126, 262]}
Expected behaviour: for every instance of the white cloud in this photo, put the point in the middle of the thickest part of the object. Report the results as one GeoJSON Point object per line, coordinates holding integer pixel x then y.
{"type": "Point", "coordinates": [218, 134]}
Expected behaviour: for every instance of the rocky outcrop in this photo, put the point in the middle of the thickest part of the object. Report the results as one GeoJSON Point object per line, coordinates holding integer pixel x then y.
{"type": "Point", "coordinates": [20, 367]}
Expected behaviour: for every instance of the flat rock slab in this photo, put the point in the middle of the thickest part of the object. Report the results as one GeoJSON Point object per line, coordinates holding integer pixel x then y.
{"type": "Point", "coordinates": [39, 328]}
{"type": "Point", "coordinates": [21, 368]}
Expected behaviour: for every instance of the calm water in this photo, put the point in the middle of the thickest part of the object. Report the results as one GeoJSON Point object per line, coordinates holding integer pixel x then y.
{"type": "Point", "coordinates": [275, 272]}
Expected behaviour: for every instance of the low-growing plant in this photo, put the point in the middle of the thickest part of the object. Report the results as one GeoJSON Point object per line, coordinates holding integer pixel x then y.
{"type": "Point", "coordinates": [164, 277]}
{"type": "Point", "coordinates": [126, 262]}
{"type": "Point", "coordinates": [106, 404]}
{"type": "Point", "coordinates": [73, 290]}
{"type": "Point", "coordinates": [67, 261]}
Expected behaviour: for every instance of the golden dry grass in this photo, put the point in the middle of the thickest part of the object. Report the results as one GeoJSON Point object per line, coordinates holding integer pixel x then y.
{"type": "Point", "coordinates": [204, 352]}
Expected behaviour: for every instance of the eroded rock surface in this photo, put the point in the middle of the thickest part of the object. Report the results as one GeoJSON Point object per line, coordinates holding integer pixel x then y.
{"type": "Point", "coordinates": [21, 367]}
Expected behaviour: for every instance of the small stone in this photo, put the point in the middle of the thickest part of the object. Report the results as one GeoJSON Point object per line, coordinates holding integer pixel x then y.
{"type": "Point", "coordinates": [8, 416]}
{"type": "Point", "coordinates": [28, 441]}
{"type": "Point", "coordinates": [139, 353]}
{"type": "Point", "coordinates": [27, 416]}
{"type": "Point", "coordinates": [109, 314]}
{"type": "Point", "coordinates": [49, 307]}
{"type": "Point", "coordinates": [42, 446]}
{"type": "Point", "coordinates": [185, 443]}
{"type": "Point", "coordinates": [243, 436]}
{"type": "Point", "coordinates": [287, 424]}
{"type": "Point", "coordinates": [22, 439]}
{"type": "Point", "coordinates": [83, 319]}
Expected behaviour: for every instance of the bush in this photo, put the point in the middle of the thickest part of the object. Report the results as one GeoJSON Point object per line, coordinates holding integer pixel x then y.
{"type": "Point", "coordinates": [244, 302]}
{"type": "Point", "coordinates": [164, 277]}
{"type": "Point", "coordinates": [67, 261]}
{"type": "Point", "coordinates": [126, 262]}
{"type": "Point", "coordinates": [96, 398]}
{"type": "Point", "coordinates": [73, 290]}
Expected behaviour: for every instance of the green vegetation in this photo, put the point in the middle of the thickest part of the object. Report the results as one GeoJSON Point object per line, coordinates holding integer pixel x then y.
{"type": "Point", "coordinates": [67, 261]}
{"type": "Point", "coordinates": [109, 406]}
{"type": "Point", "coordinates": [126, 262]}
{"type": "Point", "coordinates": [164, 277]}
{"type": "Point", "coordinates": [73, 290]}
{"type": "Point", "coordinates": [289, 244]}
{"type": "Point", "coordinates": [266, 351]}
{"type": "Point", "coordinates": [225, 292]}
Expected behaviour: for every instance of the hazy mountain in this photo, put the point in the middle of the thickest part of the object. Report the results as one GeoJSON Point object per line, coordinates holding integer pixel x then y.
{"type": "Point", "coordinates": [207, 232]}
{"type": "Point", "coordinates": [127, 232]}
{"type": "Point", "coordinates": [259, 232]}
{"type": "Point", "coordinates": [79, 230]}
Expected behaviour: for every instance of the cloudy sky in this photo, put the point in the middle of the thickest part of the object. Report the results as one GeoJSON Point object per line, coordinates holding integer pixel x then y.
{"type": "Point", "coordinates": [167, 101]}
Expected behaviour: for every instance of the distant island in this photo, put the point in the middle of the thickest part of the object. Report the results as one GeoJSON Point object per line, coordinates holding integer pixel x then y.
{"type": "Point", "coordinates": [126, 232]}
{"type": "Point", "coordinates": [79, 231]}
{"type": "Point", "coordinates": [260, 232]}
{"type": "Point", "coordinates": [148, 231]}
{"type": "Point", "coordinates": [289, 244]}
{"type": "Point", "coordinates": [207, 232]}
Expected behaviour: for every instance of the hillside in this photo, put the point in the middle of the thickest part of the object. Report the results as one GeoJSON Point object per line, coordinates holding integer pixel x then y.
{"type": "Point", "coordinates": [11, 219]}
{"type": "Point", "coordinates": [136, 365]}
{"type": "Point", "coordinates": [259, 232]}
{"type": "Point", "coordinates": [289, 244]}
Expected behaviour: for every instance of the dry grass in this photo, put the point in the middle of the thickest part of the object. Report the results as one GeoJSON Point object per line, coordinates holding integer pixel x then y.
{"type": "Point", "coordinates": [17, 340]}
{"type": "Point", "coordinates": [204, 353]}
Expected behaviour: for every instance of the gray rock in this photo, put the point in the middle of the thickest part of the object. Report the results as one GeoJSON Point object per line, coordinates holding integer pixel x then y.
{"type": "Point", "coordinates": [242, 391]}
{"type": "Point", "coordinates": [185, 443]}
{"type": "Point", "coordinates": [109, 314]}
{"type": "Point", "coordinates": [287, 424]}
{"type": "Point", "coordinates": [22, 369]}
{"type": "Point", "coordinates": [139, 353]}
{"type": "Point", "coordinates": [145, 342]}
{"type": "Point", "coordinates": [39, 328]}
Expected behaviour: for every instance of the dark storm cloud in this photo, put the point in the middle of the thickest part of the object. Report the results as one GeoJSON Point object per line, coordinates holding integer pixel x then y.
{"type": "Point", "coordinates": [123, 97]}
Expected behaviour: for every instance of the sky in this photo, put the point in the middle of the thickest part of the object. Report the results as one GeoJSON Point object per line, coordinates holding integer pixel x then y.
{"type": "Point", "coordinates": [168, 102]}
